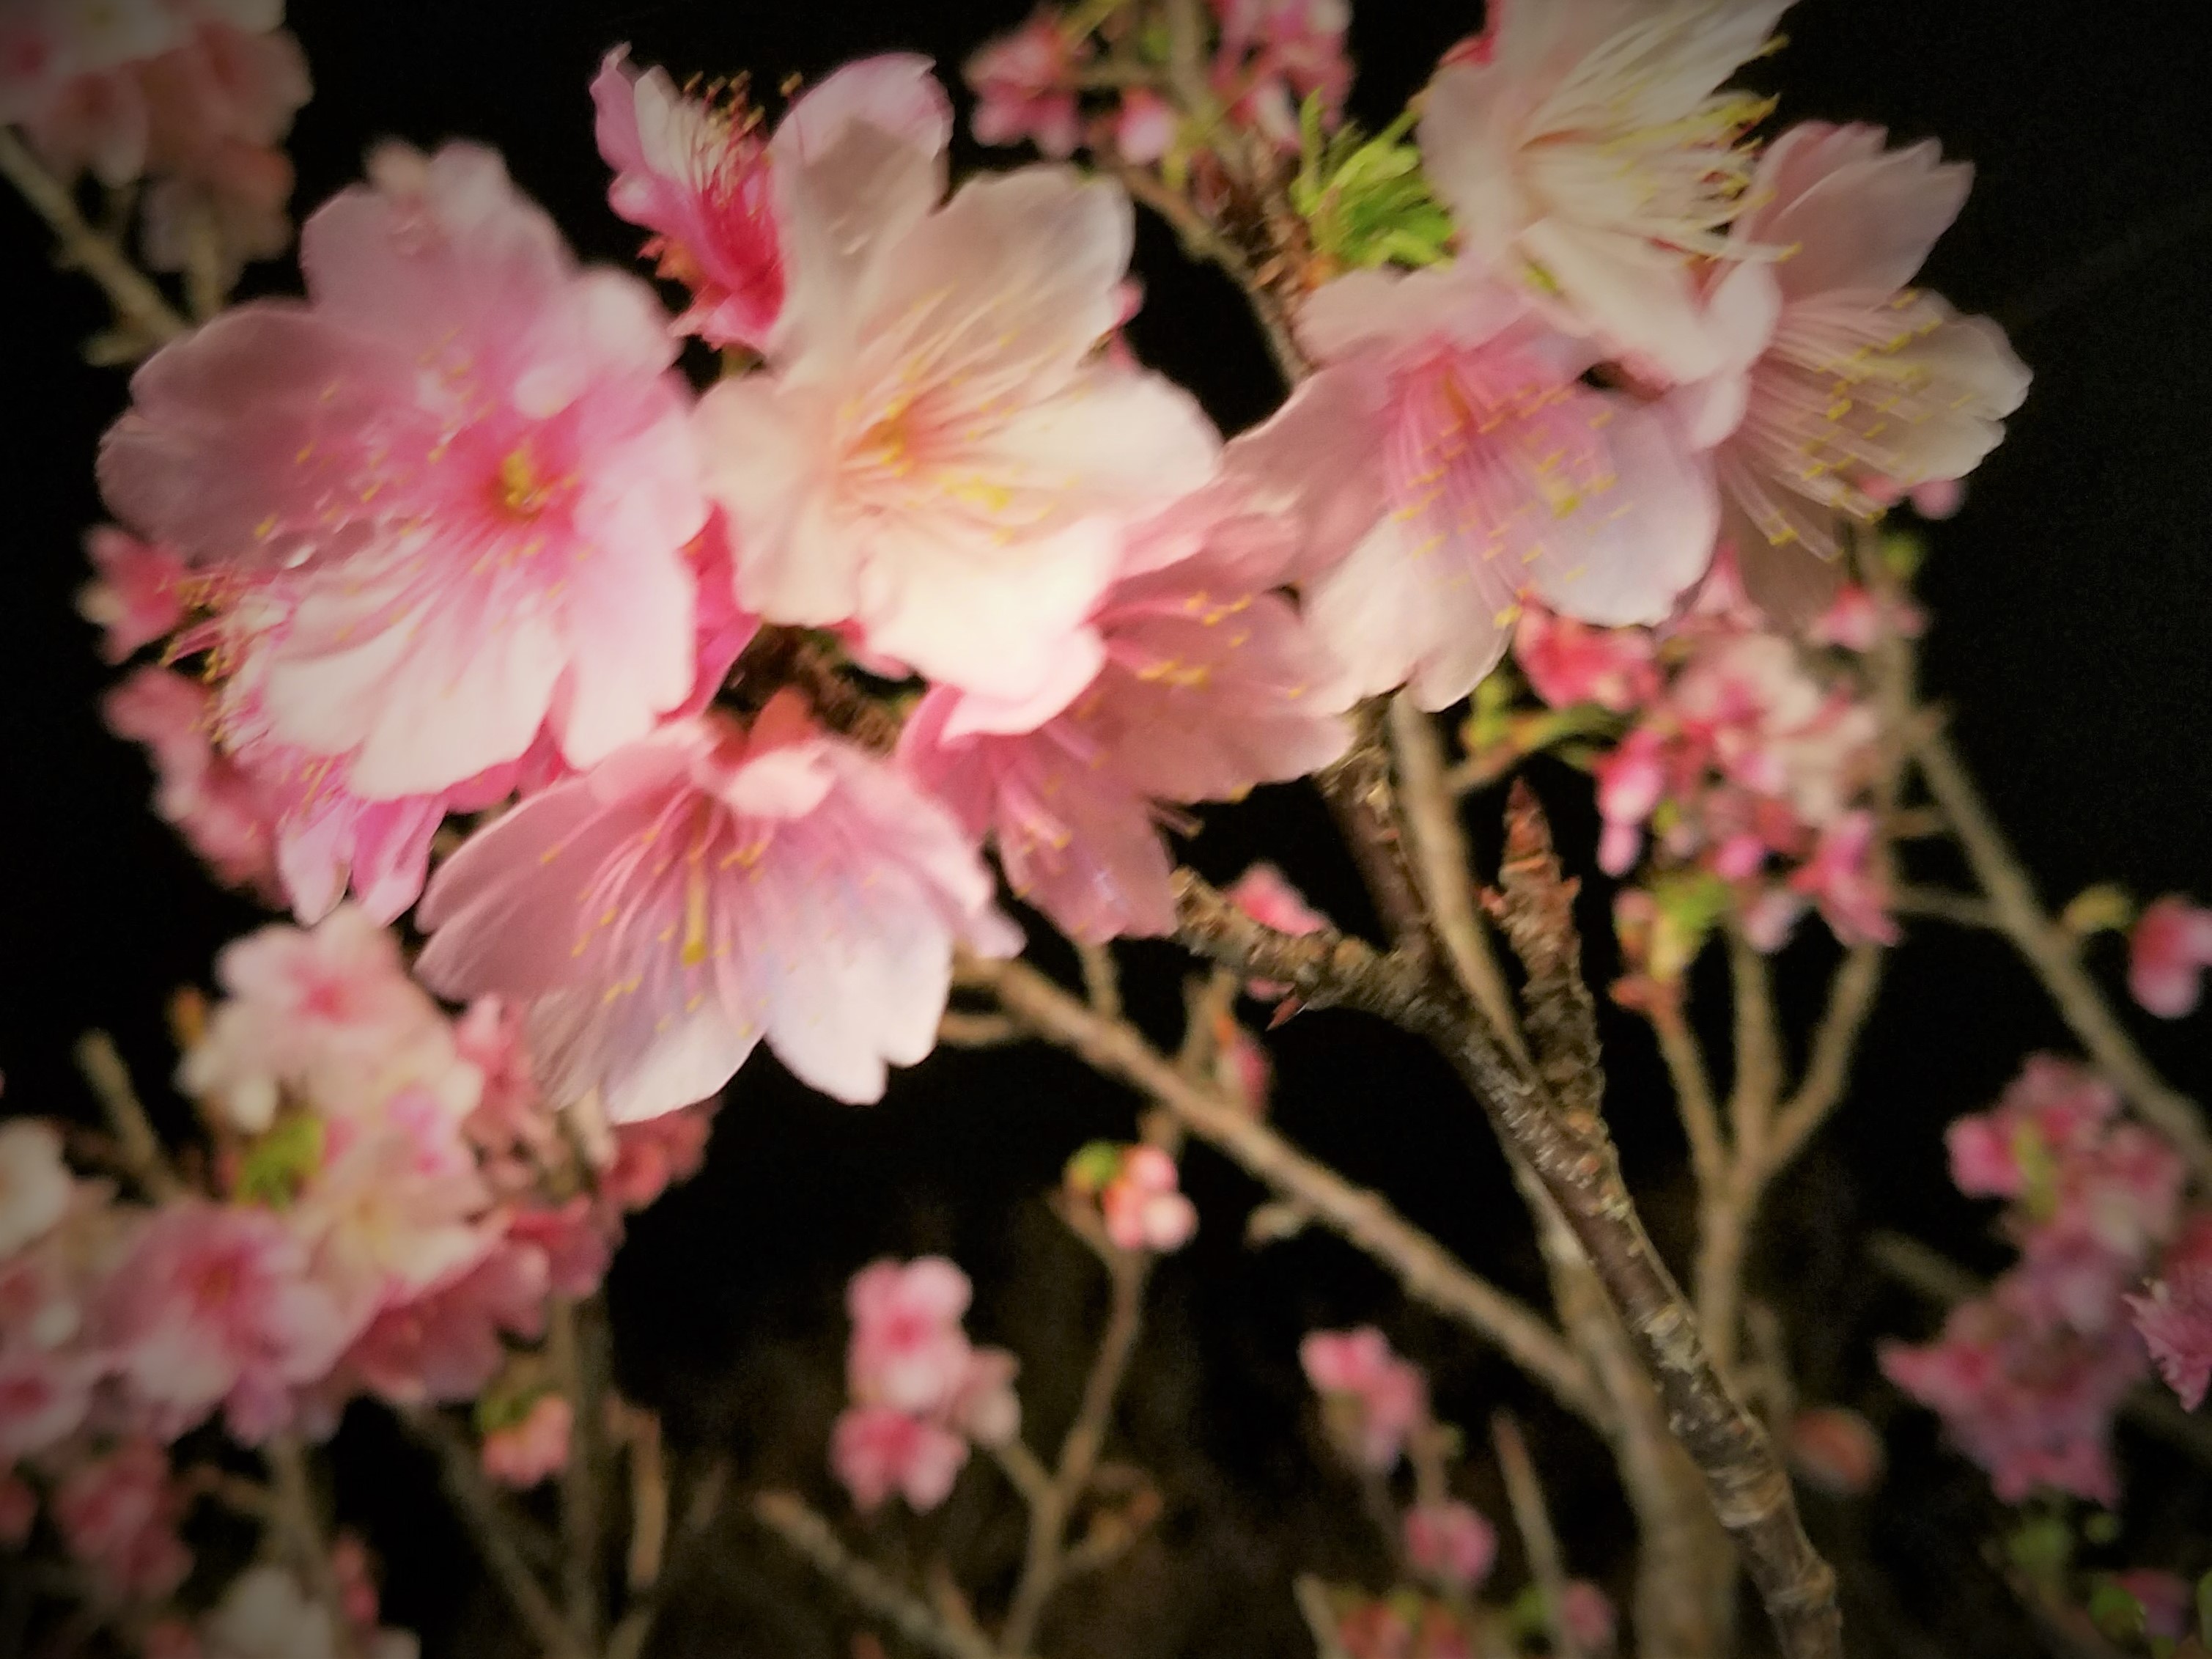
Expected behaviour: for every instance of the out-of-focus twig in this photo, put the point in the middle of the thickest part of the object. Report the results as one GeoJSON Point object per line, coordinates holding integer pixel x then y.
{"type": "Point", "coordinates": [140, 1148]}
{"type": "Point", "coordinates": [136, 300]}
{"type": "Point", "coordinates": [1532, 1520]}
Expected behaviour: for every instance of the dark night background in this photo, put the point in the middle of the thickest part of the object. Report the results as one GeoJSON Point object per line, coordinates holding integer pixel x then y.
{"type": "Point", "coordinates": [2073, 602]}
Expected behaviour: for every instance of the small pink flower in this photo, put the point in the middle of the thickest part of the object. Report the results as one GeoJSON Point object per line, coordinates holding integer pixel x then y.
{"type": "Point", "coordinates": [877, 1450]}
{"type": "Point", "coordinates": [1835, 1448]}
{"type": "Point", "coordinates": [139, 595]}
{"type": "Point", "coordinates": [908, 1350]}
{"type": "Point", "coordinates": [2167, 955]}
{"type": "Point", "coordinates": [659, 915]}
{"type": "Point", "coordinates": [1587, 1612]}
{"type": "Point", "coordinates": [1570, 662]}
{"type": "Point", "coordinates": [1272, 54]}
{"type": "Point", "coordinates": [1025, 86]}
{"type": "Point", "coordinates": [2169, 1600]}
{"type": "Point", "coordinates": [1143, 128]}
{"type": "Point", "coordinates": [1838, 877]}
{"type": "Point", "coordinates": [1385, 1398]}
{"type": "Point", "coordinates": [44, 1395]}
{"type": "Point", "coordinates": [1143, 1208]}
{"type": "Point", "coordinates": [221, 811]}
{"type": "Point", "coordinates": [443, 1345]}
{"type": "Point", "coordinates": [984, 1406]}
{"type": "Point", "coordinates": [531, 1451]}
{"type": "Point", "coordinates": [1264, 893]}
{"type": "Point", "coordinates": [1448, 1540]}
{"type": "Point", "coordinates": [655, 1154]}
{"type": "Point", "coordinates": [119, 1516]}
{"type": "Point", "coordinates": [2174, 1317]}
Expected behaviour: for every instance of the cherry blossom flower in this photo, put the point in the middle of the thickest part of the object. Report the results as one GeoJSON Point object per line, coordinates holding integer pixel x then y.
{"type": "Point", "coordinates": [529, 1452]}
{"type": "Point", "coordinates": [118, 1513]}
{"type": "Point", "coordinates": [35, 1185]}
{"type": "Point", "coordinates": [984, 1405]}
{"type": "Point", "coordinates": [217, 1307]}
{"type": "Point", "coordinates": [266, 1615]}
{"type": "Point", "coordinates": [1025, 89]}
{"type": "Point", "coordinates": [1448, 1540]}
{"type": "Point", "coordinates": [1569, 662]}
{"type": "Point", "coordinates": [139, 597]}
{"type": "Point", "coordinates": [704, 888]}
{"type": "Point", "coordinates": [1273, 54]}
{"type": "Point", "coordinates": [1504, 477]}
{"type": "Point", "coordinates": [442, 1346]}
{"type": "Point", "coordinates": [46, 1394]}
{"type": "Point", "coordinates": [1588, 1613]}
{"type": "Point", "coordinates": [1835, 1448]}
{"type": "Point", "coordinates": [327, 1014]}
{"type": "Point", "coordinates": [459, 484]}
{"type": "Point", "coordinates": [651, 1155]}
{"type": "Point", "coordinates": [2167, 954]}
{"type": "Point", "coordinates": [877, 1450]}
{"type": "Point", "coordinates": [2174, 1315]}
{"type": "Point", "coordinates": [1840, 880]}
{"type": "Point", "coordinates": [908, 1350]}
{"type": "Point", "coordinates": [1377, 1400]}
{"type": "Point", "coordinates": [219, 810]}
{"type": "Point", "coordinates": [936, 453]}
{"type": "Point", "coordinates": [2167, 1600]}
{"type": "Point", "coordinates": [1142, 1207]}
{"type": "Point", "coordinates": [1209, 684]}
{"type": "Point", "coordinates": [1586, 156]}
{"type": "Point", "coordinates": [1840, 389]}
{"type": "Point", "coordinates": [1265, 894]}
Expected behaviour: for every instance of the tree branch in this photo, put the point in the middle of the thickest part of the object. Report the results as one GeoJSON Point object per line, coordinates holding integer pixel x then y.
{"type": "Point", "coordinates": [136, 300]}
{"type": "Point", "coordinates": [140, 1148]}
{"type": "Point", "coordinates": [1360, 791]}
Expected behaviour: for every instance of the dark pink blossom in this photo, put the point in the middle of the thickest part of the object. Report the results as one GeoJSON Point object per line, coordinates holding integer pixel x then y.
{"type": "Point", "coordinates": [207, 796]}
{"type": "Point", "coordinates": [139, 595]}
{"type": "Point", "coordinates": [1377, 1400]}
{"type": "Point", "coordinates": [877, 1450]}
{"type": "Point", "coordinates": [1449, 1541]}
{"type": "Point", "coordinates": [2167, 954]}
{"type": "Point", "coordinates": [1025, 87]}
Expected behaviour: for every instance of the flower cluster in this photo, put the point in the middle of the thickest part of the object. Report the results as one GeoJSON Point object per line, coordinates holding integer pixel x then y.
{"type": "Point", "coordinates": [2026, 1377]}
{"type": "Point", "coordinates": [921, 1393]}
{"type": "Point", "coordinates": [390, 1210]}
{"type": "Point", "coordinates": [194, 97]}
{"type": "Point", "coordinates": [1133, 1192]}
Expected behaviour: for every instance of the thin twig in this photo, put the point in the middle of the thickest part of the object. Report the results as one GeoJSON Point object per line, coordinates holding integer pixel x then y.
{"type": "Point", "coordinates": [2054, 955]}
{"type": "Point", "coordinates": [571, 1344]}
{"type": "Point", "coordinates": [128, 289]}
{"type": "Point", "coordinates": [1320, 1618]}
{"type": "Point", "coordinates": [493, 1531]}
{"type": "Point", "coordinates": [1525, 1493]}
{"type": "Point", "coordinates": [1361, 792]}
{"type": "Point", "coordinates": [1427, 1271]}
{"type": "Point", "coordinates": [1128, 1272]}
{"type": "Point", "coordinates": [1693, 1094]}
{"type": "Point", "coordinates": [98, 1058]}
{"type": "Point", "coordinates": [1851, 997]}
{"type": "Point", "coordinates": [634, 1629]}
{"type": "Point", "coordinates": [959, 1030]}
{"type": "Point", "coordinates": [1962, 910]}
{"type": "Point", "coordinates": [300, 1518]}
{"type": "Point", "coordinates": [874, 1591]}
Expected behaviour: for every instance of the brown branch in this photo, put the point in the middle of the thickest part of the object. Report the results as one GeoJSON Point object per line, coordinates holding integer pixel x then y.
{"type": "Point", "coordinates": [873, 1590]}
{"type": "Point", "coordinates": [1693, 1093]}
{"type": "Point", "coordinates": [492, 1530]}
{"type": "Point", "coordinates": [1525, 1493]}
{"type": "Point", "coordinates": [1961, 910]}
{"type": "Point", "coordinates": [1851, 997]}
{"type": "Point", "coordinates": [136, 300]}
{"type": "Point", "coordinates": [2054, 954]}
{"type": "Point", "coordinates": [1045, 1564]}
{"type": "Point", "coordinates": [1428, 1272]}
{"type": "Point", "coordinates": [1362, 793]}
{"type": "Point", "coordinates": [136, 1141]}
{"type": "Point", "coordinates": [1564, 1141]}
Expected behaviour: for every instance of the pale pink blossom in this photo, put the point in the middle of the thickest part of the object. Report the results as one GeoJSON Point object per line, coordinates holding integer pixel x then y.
{"type": "Point", "coordinates": [2174, 1317]}
{"type": "Point", "coordinates": [984, 1405]}
{"type": "Point", "coordinates": [1273, 54]}
{"type": "Point", "coordinates": [459, 483]}
{"type": "Point", "coordinates": [119, 1514]}
{"type": "Point", "coordinates": [936, 453]}
{"type": "Point", "coordinates": [908, 1350]}
{"type": "Point", "coordinates": [1586, 156]}
{"type": "Point", "coordinates": [2167, 954]}
{"type": "Point", "coordinates": [1143, 1206]}
{"type": "Point", "coordinates": [527, 1453]}
{"type": "Point", "coordinates": [1501, 477]}
{"type": "Point", "coordinates": [444, 1344]}
{"type": "Point", "coordinates": [1835, 1448]}
{"type": "Point", "coordinates": [327, 1014]}
{"type": "Point", "coordinates": [1840, 389]}
{"type": "Point", "coordinates": [1264, 893]}
{"type": "Point", "coordinates": [222, 814]}
{"type": "Point", "coordinates": [1025, 88]}
{"type": "Point", "coordinates": [696, 173]}
{"type": "Point", "coordinates": [877, 1450]}
{"type": "Point", "coordinates": [655, 1154]}
{"type": "Point", "coordinates": [1588, 1613]}
{"type": "Point", "coordinates": [1569, 662]}
{"type": "Point", "coordinates": [1143, 128]}
{"type": "Point", "coordinates": [267, 1614]}
{"type": "Point", "coordinates": [217, 1307]}
{"type": "Point", "coordinates": [1209, 684]}
{"type": "Point", "coordinates": [139, 595]}
{"type": "Point", "coordinates": [1448, 1540]}
{"type": "Point", "coordinates": [1382, 1398]}
{"type": "Point", "coordinates": [703, 888]}
{"type": "Point", "coordinates": [35, 1184]}
{"type": "Point", "coordinates": [46, 1394]}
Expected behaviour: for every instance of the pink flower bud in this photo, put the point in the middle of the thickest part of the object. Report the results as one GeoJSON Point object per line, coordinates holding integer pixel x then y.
{"type": "Point", "coordinates": [2167, 954]}
{"type": "Point", "coordinates": [534, 1449]}
{"type": "Point", "coordinates": [1450, 1542]}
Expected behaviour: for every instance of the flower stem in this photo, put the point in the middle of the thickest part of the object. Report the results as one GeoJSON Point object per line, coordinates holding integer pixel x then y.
{"type": "Point", "coordinates": [134, 295]}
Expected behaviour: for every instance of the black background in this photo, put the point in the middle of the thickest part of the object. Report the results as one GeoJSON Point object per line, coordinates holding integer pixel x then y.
{"type": "Point", "coordinates": [2072, 604]}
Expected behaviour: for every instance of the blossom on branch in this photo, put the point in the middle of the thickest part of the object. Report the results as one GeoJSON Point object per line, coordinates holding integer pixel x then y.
{"type": "Point", "coordinates": [2167, 954]}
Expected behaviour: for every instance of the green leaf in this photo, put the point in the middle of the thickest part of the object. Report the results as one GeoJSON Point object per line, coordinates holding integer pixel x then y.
{"type": "Point", "coordinates": [1905, 553]}
{"type": "Point", "coordinates": [2115, 1612]}
{"type": "Point", "coordinates": [1364, 200]}
{"type": "Point", "coordinates": [2041, 1547]}
{"type": "Point", "coordinates": [2102, 1528]}
{"type": "Point", "coordinates": [282, 1161]}
{"type": "Point", "coordinates": [1094, 1166]}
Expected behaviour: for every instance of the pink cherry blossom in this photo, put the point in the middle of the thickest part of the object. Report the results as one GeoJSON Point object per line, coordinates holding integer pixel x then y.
{"type": "Point", "coordinates": [1025, 88]}
{"type": "Point", "coordinates": [46, 1394]}
{"type": "Point", "coordinates": [443, 1345]}
{"type": "Point", "coordinates": [119, 1514]}
{"type": "Point", "coordinates": [1569, 662]}
{"type": "Point", "coordinates": [330, 1015]}
{"type": "Point", "coordinates": [984, 1406]}
{"type": "Point", "coordinates": [1142, 1207]}
{"type": "Point", "coordinates": [219, 810]}
{"type": "Point", "coordinates": [1588, 1613]}
{"type": "Point", "coordinates": [458, 484]}
{"type": "Point", "coordinates": [1835, 1448]}
{"type": "Point", "coordinates": [696, 173]}
{"type": "Point", "coordinates": [653, 1155]}
{"type": "Point", "coordinates": [1840, 388]}
{"type": "Point", "coordinates": [1841, 880]}
{"type": "Point", "coordinates": [707, 887]}
{"type": "Point", "coordinates": [1503, 477]}
{"type": "Point", "coordinates": [1448, 1540]}
{"type": "Point", "coordinates": [936, 453]}
{"type": "Point", "coordinates": [908, 1350]}
{"type": "Point", "coordinates": [139, 596]}
{"type": "Point", "coordinates": [1586, 156]}
{"type": "Point", "coordinates": [1144, 128]}
{"type": "Point", "coordinates": [1273, 54]}
{"type": "Point", "coordinates": [877, 1450]}
{"type": "Point", "coordinates": [1384, 1398]}
{"type": "Point", "coordinates": [1265, 894]}
{"type": "Point", "coordinates": [35, 1184]}
{"type": "Point", "coordinates": [1209, 684]}
{"type": "Point", "coordinates": [215, 1307]}
{"type": "Point", "coordinates": [2174, 1315]}
{"type": "Point", "coordinates": [530, 1452]}
{"type": "Point", "coordinates": [2167, 954]}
